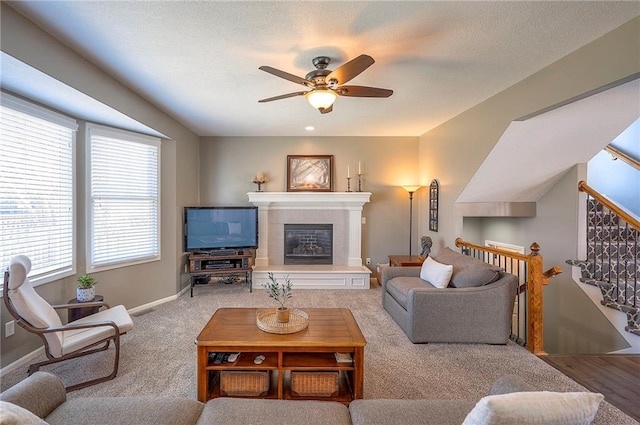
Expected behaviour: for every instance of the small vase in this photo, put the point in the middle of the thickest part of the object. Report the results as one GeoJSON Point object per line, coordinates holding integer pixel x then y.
{"type": "Point", "coordinates": [282, 314]}
{"type": "Point", "coordinates": [85, 295]}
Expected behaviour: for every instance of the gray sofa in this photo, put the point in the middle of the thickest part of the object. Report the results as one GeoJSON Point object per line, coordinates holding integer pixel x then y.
{"type": "Point", "coordinates": [43, 395]}
{"type": "Point", "coordinates": [476, 306]}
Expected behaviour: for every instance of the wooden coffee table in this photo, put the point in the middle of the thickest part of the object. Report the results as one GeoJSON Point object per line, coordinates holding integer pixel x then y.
{"type": "Point", "coordinates": [330, 330]}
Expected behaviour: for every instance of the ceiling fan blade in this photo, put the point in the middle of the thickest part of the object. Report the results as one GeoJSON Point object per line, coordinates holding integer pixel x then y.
{"type": "Point", "coordinates": [350, 69]}
{"type": "Point", "coordinates": [361, 91]}
{"type": "Point", "coordinates": [286, 76]}
{"type": "Point", "coordinates": [326, 110]}
{"type": "Point", "coordinates": [283, 96]}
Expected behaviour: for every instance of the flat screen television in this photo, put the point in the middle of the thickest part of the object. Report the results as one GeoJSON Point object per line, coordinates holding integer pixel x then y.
{"type": "Point", "coordinates": [208, 229]}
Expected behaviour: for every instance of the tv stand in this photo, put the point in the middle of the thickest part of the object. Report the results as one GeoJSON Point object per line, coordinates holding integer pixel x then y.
{"type": "Point", "coordinates": [222, 252]}
{"type": "Point", "coordinates": [221, 263]}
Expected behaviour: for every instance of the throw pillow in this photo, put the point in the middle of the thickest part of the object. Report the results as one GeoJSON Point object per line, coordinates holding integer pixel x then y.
{"type": "Point", "coordinates": [473, 276]}
{"type": "Point", "coordinates": [479, 273]}
{"type": "Point", "coordinates": [534, 408]}
{"type": "Point", "coordinates": [12, 414]}
{"type": "Point", "coordinates": [435, 273]}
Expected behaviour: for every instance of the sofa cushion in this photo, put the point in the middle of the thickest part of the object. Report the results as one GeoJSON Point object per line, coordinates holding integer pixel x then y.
{"type": "Point", "coordinates": [126, 411]}
{"type": "Point", "coordinates": [423, 412]}
{"type": "Point", "coordinates": [234, 411]}
{"type": "Point", "coordinates": [12, 414]}
{"type": "Point", "coordinates": [435, 273]}
{"type": "Point", "coordinates": [467, 271]}
{"type": "Point", "coordinates": [530, 408]}
{"type": "Point", "coordinates": [399, 288]}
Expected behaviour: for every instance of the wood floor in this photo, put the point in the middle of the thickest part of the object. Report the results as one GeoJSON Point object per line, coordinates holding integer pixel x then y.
{"type": "Point", "coordinates": [617, 376]}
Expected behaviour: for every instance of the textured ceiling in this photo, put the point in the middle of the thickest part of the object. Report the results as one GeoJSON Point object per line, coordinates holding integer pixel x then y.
{"type": "Point", "coordinates": [199, 61]}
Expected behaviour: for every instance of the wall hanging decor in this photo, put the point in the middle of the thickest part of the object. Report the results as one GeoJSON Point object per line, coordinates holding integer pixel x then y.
{"type": "Point", "coordinates": [309, 173]}
{"type": "Point", "coordinates": [434, 189]}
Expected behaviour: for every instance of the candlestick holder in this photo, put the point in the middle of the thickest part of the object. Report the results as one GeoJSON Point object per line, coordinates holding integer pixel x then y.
{"type": "Point", "coordinates": [359, 182]}
{"type": "Point", "coordinates": [260, 179]}
{"type": "Point", "coordinates": [348, 184]}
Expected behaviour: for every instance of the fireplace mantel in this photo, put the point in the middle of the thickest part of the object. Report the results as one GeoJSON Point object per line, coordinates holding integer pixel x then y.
{"type": "Point", "coordinates": [310, 200]}
{"type": "Point", "coordinates": [344, 207]}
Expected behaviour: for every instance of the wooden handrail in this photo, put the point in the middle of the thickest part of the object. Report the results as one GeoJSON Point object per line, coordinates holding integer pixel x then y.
{"type": "Point", "coordinates": [497, 251]}
{"type": "Point", "coordinates": [617, 153]}
{"type": "Point", "coordinates": [633, 222]}
{"type": "Point", "coordinates": [536, 278]}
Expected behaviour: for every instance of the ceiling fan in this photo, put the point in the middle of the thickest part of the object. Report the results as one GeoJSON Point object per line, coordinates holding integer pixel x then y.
{"type": "Point", "coordinates": [327, 85]}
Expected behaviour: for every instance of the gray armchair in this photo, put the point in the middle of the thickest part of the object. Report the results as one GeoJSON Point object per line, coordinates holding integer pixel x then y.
{"type": "Point", "coordinates": [479, 314]}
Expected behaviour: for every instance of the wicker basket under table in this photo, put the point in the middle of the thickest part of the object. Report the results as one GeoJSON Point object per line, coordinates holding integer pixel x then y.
{"type": "Point", "coordinates": [244, 382]}
{"type": "Point", "coordinates": [314, 384]}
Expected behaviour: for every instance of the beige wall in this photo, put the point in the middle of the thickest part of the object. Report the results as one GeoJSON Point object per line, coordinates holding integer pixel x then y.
{"type": "Point", "coordinates": [135, 285]}
{"type": "Point", "coordinates": [453, 151]}
{"type": "Point", "coordinates": [227, 165]}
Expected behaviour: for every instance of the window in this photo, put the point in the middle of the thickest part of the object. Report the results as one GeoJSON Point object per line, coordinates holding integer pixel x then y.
{"type": "Point", "coordinates": [37, 188]}
{"type": "Point", "coordinates": [123, 198]}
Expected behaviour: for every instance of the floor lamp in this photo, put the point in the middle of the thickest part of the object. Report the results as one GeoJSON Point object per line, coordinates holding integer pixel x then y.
{"type": "Point", "coordinates": [411, 190]}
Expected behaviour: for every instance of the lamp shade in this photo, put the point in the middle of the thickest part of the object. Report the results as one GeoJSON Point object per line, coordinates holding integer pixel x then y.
{"type": "Point", "coordinates": [411, 189]}
{"type": "Point", "coordinates": [321, 98]}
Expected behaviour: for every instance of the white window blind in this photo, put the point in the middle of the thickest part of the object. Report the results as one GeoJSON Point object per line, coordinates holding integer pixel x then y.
{"type": "Point", "coordinates": [124, 198]}
{"type": "Point", "coordinates": [37, 188]}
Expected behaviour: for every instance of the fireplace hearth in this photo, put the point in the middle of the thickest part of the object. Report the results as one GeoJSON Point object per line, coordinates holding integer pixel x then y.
{"type": "Point", "coordinates": [308, 244]}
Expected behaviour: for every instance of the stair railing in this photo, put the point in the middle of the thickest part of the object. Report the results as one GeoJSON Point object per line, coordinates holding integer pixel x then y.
{"type": "Point", "coordinates": [527, 324]}
{"type": "Point", "coordinates": [618, 233]}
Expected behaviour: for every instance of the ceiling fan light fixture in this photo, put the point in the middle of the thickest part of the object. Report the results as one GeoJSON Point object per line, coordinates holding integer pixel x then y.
{"type": "Point", "coordinates": [321, 98]}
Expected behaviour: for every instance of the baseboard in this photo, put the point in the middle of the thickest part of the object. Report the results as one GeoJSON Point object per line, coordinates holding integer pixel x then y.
{"type": "Point", "coordinates": [152, 304]}
{"type": "Point", "coordinates": [24, 360]}
{"type": "Point", "coordinates": [28, 358]}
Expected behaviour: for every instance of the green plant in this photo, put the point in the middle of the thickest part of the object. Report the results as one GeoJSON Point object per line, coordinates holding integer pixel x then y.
{"type": "Point", "coordinates": [86, 281]}
{"type": "Point", "coordinates": [279, 292]}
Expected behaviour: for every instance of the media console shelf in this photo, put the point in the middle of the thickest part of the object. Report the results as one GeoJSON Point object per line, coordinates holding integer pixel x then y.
{"type": "Point", "coordinates": [228, 262]}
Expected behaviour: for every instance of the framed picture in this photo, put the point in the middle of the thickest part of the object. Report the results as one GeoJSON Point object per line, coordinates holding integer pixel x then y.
{"type": "Point", "coordinates": [309, 173]}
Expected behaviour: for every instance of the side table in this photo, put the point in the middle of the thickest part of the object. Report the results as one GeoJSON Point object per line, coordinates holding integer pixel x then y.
{"type": "Point", "coordinates": [78, 313]}
{"type": "Point", "coordinates": [405, 260]}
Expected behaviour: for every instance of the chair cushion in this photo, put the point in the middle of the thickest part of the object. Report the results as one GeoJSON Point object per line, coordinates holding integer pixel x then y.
{"type": "Point", "coordinates": [537, 407]}
{"type": "Point", "coordinates": [435, 273]}
{"type": "Point", "coordinates": [467, 271]}
{"type": "Point", "coordinates": [29, 305]}
{"type": "Point", "coordinates": [78, 338]}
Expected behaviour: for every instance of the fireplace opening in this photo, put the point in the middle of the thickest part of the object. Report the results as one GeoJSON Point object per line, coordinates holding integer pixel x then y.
{"type": "Point", "coordinates": [308, 244]}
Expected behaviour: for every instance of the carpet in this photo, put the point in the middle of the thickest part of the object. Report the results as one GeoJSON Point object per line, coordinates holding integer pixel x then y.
{"type": "Point", "coordinates": [158, 357]}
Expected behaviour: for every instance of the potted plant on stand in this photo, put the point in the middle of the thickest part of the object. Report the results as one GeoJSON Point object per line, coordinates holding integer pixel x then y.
{"type": "Point", "coordinates": [86, 290]}
{"type": "Point", "coordinates": [281, 292]}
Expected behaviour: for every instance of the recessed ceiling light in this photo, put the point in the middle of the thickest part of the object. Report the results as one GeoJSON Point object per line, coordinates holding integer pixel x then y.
{"type": "Point", "coordinates": [309, 128]}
